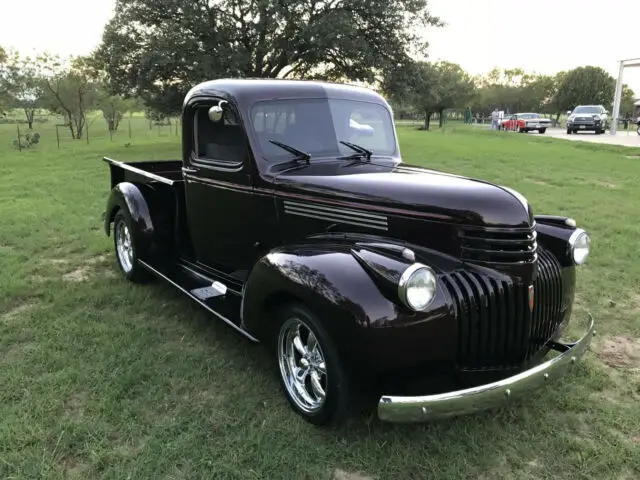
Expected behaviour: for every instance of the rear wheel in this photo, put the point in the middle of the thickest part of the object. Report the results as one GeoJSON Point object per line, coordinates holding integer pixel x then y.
{"type": "Point", "coordinates": [313, 378]}
{"type": "Point", "coordinates": [127, 249]}
{"type": "Point", "coordinates": [542, 131]}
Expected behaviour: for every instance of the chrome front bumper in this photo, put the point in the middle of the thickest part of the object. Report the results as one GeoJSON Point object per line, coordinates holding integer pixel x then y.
{"type": "Point", "coordinates": [417, 409]}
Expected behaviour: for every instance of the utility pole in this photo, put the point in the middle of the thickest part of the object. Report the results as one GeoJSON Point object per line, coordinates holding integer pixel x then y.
{"type": "Point", "coordinates": [632, 62]}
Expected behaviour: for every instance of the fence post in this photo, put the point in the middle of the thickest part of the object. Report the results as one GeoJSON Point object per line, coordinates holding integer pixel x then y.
{"type": "Point", "coordinates": [19, 139]}
{"type": "Point", "coordinates": [58, 136]}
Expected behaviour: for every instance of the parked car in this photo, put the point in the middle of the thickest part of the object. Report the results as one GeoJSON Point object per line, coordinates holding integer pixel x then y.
{"type": "Point", "coordinates": [292, 218]}
{"type": "Point", "coordinates": [587, 118]}
{"type": "Point", "coordinates": [526, 122]}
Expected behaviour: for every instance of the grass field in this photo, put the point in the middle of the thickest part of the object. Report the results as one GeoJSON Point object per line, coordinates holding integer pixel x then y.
{"type": "Point", "coordinates": [104, 379]}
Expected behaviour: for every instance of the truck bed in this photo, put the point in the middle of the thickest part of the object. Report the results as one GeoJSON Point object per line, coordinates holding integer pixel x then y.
{"type": "Point", "coordinates": [163, 171]}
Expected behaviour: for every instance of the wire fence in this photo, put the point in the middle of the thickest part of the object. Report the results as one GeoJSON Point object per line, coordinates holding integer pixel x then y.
{"type": "Point", "coordinates": [51, 131]}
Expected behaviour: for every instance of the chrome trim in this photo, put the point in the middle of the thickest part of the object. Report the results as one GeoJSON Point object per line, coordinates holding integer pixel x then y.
{"type": "Point", "coordinates": [139, 171]}
{"type": "Point", "coordinates": [337, 215]}
{"type": "Point", "coordinates": [404, 278]}
{"type": "Point", "coordinates": [484, 397]}
{"type": "Point", "coordinates": [196, 299]}
{"type": "Point", "coordinates": [572, 243]}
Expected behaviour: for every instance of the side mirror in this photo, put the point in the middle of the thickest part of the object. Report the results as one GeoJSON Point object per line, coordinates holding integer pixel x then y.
{"type": "Point", "coordinates": [568, 112]}
{"type": "Point", "coordinates": [217, 112]}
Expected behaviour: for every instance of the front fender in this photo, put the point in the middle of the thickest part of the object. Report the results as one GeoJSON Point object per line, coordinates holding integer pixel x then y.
{"type": "Point", "coordinates": [127, 196]}
{"type": "Point", "coordinates": [351, 299]}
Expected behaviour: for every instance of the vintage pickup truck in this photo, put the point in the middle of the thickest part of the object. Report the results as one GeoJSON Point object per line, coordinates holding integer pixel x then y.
{"type": "Point", "coordinates": [292, 218]}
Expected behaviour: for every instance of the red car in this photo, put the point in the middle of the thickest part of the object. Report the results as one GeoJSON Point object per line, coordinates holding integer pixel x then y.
{"type": "Point", "coordinates": [525, 122]}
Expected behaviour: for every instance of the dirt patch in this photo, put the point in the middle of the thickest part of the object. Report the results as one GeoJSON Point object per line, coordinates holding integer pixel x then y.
{"type": "Point", "coordinates": [73, 466]}
{"type": "Point", "coordinates": [605, 184]}
{"type": "Point", "coordinates": [17, 351]}
{"type": "Point", "coordinates": [78, 275]}
{"type": "Point", "coordinates": [97, 260]}
{"type": "Point", "coordinates": [74, 406]}
{"type": "Point", "coordinates": [17, 311]}
{"type": "Point", "coordinates": [538, 182]}
{"type": "Point", "coordinates": [620, 351]}
{"type": "Point", "coordinates": [339, 474]}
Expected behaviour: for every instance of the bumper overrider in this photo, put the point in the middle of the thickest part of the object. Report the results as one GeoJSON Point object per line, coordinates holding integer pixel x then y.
{"type": "Point", "coordinates": [460, 402]}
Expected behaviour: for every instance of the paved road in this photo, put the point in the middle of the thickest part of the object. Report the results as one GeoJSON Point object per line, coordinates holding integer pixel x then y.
{"type": "Point", "coordinates": [626, 139]}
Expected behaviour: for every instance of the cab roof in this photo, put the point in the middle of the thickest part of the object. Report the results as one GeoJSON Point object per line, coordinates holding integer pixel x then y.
{"type": "Point", "coordinates": [245, 92]}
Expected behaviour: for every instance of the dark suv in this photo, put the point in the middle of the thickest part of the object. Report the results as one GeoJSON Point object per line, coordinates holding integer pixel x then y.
{"type": "Point", "coordinates": [592, 118]}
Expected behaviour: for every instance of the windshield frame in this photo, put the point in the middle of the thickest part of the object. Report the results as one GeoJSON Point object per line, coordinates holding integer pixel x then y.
{"type": "Point", "coordinates": [263, 159]}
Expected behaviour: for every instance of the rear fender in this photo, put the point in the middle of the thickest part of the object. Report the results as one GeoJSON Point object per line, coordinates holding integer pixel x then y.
{"type": "Point", "coordinates": [129, 197]}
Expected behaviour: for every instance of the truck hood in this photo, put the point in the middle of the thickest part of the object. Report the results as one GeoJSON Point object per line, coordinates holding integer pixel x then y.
{"type": "Point", "coordinates": [411, 191]}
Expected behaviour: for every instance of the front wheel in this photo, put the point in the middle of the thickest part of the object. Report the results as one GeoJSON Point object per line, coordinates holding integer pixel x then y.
{"type": "Point", "coordinates": [569, 131]}
{"type": "Point", "coordinates": [314, 380]}
{"type": "Point", "coordinates": [127, 249]}
{"type": "Point", "coordinates": [542, 131]}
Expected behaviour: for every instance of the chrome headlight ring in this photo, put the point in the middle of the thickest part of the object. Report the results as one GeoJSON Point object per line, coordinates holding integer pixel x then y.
{"type": "Point", "coordinates": [417, 287]}
{"type": "Point", "coordinates": [579, 246]}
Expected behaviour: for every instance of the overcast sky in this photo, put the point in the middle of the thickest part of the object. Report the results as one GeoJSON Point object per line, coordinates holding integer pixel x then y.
{"type": "Point", "coordinates": [544, 36]}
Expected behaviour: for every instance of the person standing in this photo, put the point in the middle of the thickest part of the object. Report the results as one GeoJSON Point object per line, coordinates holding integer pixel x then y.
{"type": "Point", "coordinates": [495, 119]}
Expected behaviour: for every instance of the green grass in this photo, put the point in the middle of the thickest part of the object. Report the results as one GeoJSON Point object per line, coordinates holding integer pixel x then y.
{"type": "Point", "coordinates": [104, 379]}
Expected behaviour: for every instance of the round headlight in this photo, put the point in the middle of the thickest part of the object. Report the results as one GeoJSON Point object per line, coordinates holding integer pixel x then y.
{"type": "Point", "coordinates": [580, 244]}
{"type": "Point", "coordinates": [417, 286]}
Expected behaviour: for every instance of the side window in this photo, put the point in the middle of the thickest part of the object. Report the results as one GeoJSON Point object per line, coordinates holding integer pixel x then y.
{"type": "Point", "coordinates": [218, 142]}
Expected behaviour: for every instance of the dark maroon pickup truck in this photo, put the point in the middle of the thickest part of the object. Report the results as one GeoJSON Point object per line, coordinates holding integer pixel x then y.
{"type": "Point", "coordinates": [292, 218]}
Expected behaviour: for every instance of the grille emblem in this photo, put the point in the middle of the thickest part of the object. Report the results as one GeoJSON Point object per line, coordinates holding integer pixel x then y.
{"type": "Point", "coordinates": [531, 297]}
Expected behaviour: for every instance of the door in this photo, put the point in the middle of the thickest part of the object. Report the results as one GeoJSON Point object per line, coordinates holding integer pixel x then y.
{"type": "Point", "coordinates": [219, 193]}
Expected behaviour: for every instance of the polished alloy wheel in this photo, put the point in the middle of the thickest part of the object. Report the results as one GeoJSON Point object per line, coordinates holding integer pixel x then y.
{"type": "Point", "coordinates": [124, 246]}
{"type": "Point", "coordinates": [302, 365]}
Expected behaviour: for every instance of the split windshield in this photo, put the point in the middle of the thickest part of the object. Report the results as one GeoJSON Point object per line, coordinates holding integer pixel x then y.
{"type": "Point", "coordinates": [317, 126]}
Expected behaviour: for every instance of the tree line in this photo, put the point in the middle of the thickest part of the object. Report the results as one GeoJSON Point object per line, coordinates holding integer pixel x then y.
{"type": "Point", "coordinates": [154, 51]}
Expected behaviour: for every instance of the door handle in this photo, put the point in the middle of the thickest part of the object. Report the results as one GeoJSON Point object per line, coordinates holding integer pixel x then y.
{"type": "Point", "coordinates": [189, 170]}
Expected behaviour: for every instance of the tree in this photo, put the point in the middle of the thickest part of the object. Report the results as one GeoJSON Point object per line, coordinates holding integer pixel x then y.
{"type": "Point", "coordinates": [454, 87]}
{"type": "Point", "coordinates": [113, 108]}
{"type": "Point", "coordinates": [585, 85]}
{"type": "Point", "coordinates": [68, 90]}
{"type": "Point", "coordinates": [21, 85]}
{"type": "Point", "coordinates": [429, 87]}
{"type": "Point", "coordinates": [159, 49]}
{"type": "Point", "coordinates": [627, 99]}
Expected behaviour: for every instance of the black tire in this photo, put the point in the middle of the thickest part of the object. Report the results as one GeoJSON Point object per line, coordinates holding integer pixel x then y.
{"type": "Point", "coordinates": [521, 130]}
{"type": "Point", "coordinates": [131, 270]}
{"type": "Point", "coordinates": [598, 131]}
{"type": "Point", "coordinates": [542, 131]}
{"type": "Point", "coordinates": [337, 386]}
{"type": "Point", "coordinates": [569, 132]}
{"type": "Point", "coordinates": [638, 130]}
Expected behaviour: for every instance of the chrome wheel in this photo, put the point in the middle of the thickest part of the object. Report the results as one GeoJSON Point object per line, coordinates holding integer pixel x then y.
{"type": "Point", "coordinates": [302, 365]}
{"type": "Point", "coordinates": [124, 246]}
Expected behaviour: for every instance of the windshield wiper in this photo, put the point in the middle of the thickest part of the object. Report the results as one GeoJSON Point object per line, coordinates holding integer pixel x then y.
{"type": "Point", "coordinates": [300, 155]}
{"type": "Point", "coordinates": [362, 152]}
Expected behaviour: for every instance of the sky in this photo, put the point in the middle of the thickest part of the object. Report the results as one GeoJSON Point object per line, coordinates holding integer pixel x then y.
{"type": "Point", "coordinates": [543, 36]}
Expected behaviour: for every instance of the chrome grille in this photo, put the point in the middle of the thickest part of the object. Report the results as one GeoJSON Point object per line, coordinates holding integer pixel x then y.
{"type": "Point", "coordinates": [499, 245]}
{"type": "Point", "coordinates": [496, 329]}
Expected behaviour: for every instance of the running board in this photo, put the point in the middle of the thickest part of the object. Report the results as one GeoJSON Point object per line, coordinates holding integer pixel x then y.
{"type": "Point", "coordinates": [216, 289]}
{"type": "Point", "coordinates": [201, 295]}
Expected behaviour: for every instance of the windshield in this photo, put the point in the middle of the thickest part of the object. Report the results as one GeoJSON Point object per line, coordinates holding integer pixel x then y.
{"type": "Point", "coordinates": [317, 126]}
{"type": "Point", "coordinates": [587, 110]}
{"type": "Point", "coordinates": [528, 115]}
